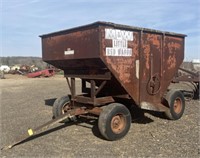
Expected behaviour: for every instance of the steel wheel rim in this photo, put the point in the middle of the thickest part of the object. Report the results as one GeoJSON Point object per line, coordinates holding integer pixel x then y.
{"type": "Point", "coordinates": [66, 107]}
{"type": "Point", "coordinates": [118, 123]}
{"type": "Point", "coordinates": [177, 105]}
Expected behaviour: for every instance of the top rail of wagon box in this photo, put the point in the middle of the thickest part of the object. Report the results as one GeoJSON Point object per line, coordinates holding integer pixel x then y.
{"type": "Point", "coordinates": [109, 24]}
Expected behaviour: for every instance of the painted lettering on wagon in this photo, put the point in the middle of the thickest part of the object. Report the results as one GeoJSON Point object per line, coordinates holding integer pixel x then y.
{"type": "Point", "coordinates": [120, 40]}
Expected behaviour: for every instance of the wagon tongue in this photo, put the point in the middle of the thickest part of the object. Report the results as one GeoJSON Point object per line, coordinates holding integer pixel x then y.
{"type": "Point", "coordinates": [33, 132]}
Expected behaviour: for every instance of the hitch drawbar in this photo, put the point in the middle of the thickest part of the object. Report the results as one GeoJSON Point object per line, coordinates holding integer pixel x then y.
{"type": "Point", "coordinates": [32, 132]}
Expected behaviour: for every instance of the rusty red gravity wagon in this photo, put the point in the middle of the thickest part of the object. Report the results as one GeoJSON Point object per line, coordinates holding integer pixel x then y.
{"type": "Point", "coordinates": [121, 67]}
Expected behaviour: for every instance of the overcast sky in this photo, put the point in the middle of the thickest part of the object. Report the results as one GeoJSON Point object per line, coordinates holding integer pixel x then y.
{"type": "Point", "coordinates": [22, 21]}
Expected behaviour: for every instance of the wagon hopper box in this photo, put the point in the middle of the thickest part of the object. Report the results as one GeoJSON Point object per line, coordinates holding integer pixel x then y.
{"type": "Point", "coordinates": [120, 67]}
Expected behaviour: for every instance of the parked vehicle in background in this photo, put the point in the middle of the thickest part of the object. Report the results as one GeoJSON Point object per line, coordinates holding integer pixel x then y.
{"type": "Point", "coordinates": [43, 73]}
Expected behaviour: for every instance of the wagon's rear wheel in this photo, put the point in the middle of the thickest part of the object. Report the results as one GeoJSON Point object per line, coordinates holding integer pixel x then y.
{"type": "Point", "coordinates": [114, 121]}
{"type": "Point", "coordinates": [176, 104]}
{"type": "Point", "coordinates": [61, 106]}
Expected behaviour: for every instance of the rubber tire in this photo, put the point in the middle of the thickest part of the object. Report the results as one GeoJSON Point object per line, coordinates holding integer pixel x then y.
{"type": "Point", "coordinates": [58, 106]}
{"type": "Point", "coordinates": [104, 122]}
{"type": "Point", "coordinates": [172, 95]}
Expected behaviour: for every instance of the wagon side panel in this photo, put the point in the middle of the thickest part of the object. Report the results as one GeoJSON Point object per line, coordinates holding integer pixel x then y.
{"type": "Point", "coordinates": [124, 64]}
{"type": "Point", "coordinates": [71, 45]}
{"type": "Point", "coordinates": [172, 58]}
{"type": "Point", "coordinates": [151, 55]}
{"type": "Point", "coordinates": [161, 55]}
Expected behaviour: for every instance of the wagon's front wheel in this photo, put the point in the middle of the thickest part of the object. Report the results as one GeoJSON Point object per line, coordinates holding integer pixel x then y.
{"type": "Point", "coordinates": [114, 121]}
{"type": "Point", "coordinates": [61, 106]}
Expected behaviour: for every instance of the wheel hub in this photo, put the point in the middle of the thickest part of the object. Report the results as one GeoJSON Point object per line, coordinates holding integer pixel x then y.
{"type": "Point", "coordinates": [66, 107]}
{"type": "Point", "coordinates": [177, 105]}
{"type": "Point", "coordinates": [118, 123]}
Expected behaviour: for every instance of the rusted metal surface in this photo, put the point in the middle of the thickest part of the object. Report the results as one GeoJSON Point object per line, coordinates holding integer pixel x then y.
{"type": "Point", "coordinates": [95, 111]}
{"type": "Point", "coordinates": [118, 123]}
{"type": "Point", "coordinates": [94, 101]}
{"type": "Point", "coordinates": [177, 105]}
{"type": "Point", "coordinates": [117, 60]}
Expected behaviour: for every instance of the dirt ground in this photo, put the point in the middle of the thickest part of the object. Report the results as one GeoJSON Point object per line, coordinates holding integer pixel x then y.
{"type": "Point", "coordinates": [27, 103]}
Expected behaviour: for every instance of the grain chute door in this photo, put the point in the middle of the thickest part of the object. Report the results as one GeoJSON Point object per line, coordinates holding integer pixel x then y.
{"type": "Point", "coordinates": [151, 65]}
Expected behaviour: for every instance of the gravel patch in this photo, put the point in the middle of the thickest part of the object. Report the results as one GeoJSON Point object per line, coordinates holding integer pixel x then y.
{"type": "Point", "coordinates": [27, 103]}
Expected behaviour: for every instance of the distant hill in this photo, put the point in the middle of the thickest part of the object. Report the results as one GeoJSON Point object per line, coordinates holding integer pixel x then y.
{"type": "Point", "coordinates": [10, 61]}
